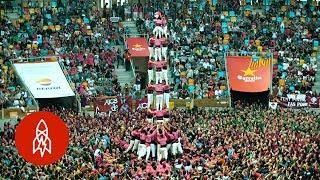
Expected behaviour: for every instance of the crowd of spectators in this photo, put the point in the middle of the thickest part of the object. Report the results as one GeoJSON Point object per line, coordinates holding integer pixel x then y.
{"type": "Point", "coordinates": [201, 35]}
{"type": "Point", "coordinates": [251, 143]}
{"type": "Point", "coordinates": [80, 37]}
{"type": "Point", "coordinates": [247, 142]}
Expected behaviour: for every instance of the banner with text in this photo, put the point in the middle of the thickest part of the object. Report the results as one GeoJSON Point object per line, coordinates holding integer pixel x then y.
{"type": "Point", "coordinates": [141, 104]}
{"type": "Point", "coordinates": [107, 104]}
{"type": "Point", "coordinates": [297, 101]}
{"type": "Point", "coordinates": [247, 74]}
{"type": "Point", "coordinates": [44, 80]}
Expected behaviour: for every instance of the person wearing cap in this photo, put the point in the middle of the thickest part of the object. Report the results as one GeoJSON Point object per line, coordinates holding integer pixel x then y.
{"type": "Point", "coordinates": [165, 73]}
{"type": "Point", "coordinates": [134, 142]}
{"type": "Point", "coordinates": [142, 149]}
{"type": "Point", "coordinates": [151, 133]}
{"type": "Point", "coordinates": [164, 26]}
{"type": "Point", "coordinates": [166, 94]}
{"type": "Point", "coordinates": [150, 71]}
{"type": "Point", "coordinates": [150, 90]}
{"type": "Point", "coordinates": [127, 57]}
{"type": "Point", "coordinates": [164, 48]}
{"type": "Point", "coordinates": [157, 49]}
{"type": "Point", "coordinates": [150, 115]}
{"type": "Point", "coordinates": [170, 139]}
{"type": "Point", "coordinates": [159, 96]}
{"type": "Point", "coordinates": [158, 30]}
{"type": "Point", "coordinates": [176, 145]}
{"type": "Point", "coordinates": [162, 151]}
{"type": "Point", "coordinates": [152, 40]}
{"type": "Point", "coordinates": [159, 67]}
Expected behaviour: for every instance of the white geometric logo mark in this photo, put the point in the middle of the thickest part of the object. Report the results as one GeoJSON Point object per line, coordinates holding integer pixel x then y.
{"type": "Point", "coordinates": [41, 142]}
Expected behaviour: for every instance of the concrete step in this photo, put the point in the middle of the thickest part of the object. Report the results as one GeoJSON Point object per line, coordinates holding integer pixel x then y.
{"type": "Point", "coordinates": [124, 77]}
{"type": "Point", "coordinates": [131, 27]}
{"type": "Point", "coordinates": [129, 23]}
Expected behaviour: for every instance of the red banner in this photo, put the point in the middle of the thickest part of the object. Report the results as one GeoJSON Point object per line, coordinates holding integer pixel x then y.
{"type": "Point", "coordinates": [112, 104]}
{"type": "Point", "coordinates": [141, 104]}
{"type": "Point", "coordinates": [247, 75]}
{"type": "Point", "coordinates": [138, 47]}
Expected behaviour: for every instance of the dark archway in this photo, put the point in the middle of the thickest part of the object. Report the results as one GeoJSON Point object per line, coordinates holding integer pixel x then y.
{"type": "Point", "coordinates": [64, 102]}
{"type": "Point", "coordinates": [261, 98]}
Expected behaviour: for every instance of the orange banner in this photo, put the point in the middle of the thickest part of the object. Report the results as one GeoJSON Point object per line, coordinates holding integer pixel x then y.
{"type": "Point", "coordinates": [138, 47]}
{"type": "Point", "coordinates": [247, 75]}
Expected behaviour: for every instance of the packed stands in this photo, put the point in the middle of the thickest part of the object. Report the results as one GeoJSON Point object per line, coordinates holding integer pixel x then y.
{"type": "Point", "coordinates": [245, 142]}
{"type": "Point", "coordinates": [201, 36]}
{"type": "Point", "coordinates": [82, 39]}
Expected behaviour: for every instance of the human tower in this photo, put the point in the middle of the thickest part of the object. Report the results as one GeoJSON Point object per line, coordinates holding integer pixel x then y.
{"type": "Point", "coordinates": [157, 138]}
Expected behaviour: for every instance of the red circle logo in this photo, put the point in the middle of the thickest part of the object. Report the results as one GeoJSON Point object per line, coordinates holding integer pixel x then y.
{"type": "Point", "coordinates": [42, 138]}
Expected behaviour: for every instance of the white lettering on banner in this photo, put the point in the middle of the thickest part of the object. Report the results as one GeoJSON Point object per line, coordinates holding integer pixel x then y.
{"type": "Point", "coordinates": [297, 104]}
{"type": "Point", "coordinates": [114, 107]}
{"type": "Point", "coordinates": [101, 114]}
{"type": "Point", "coordinates": [138, 49]}
{"type": "Point", "coordinates": [249, 79]}
{"type": "Point", "coordinates": [142, 106]}
{"type": "Point", "coordinates": [294, 97]}
{"type": "Point", "coordinates": [113, 103]}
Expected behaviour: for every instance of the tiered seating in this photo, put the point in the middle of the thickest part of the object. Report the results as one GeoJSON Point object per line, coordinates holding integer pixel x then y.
{"type": "Point", "coordinates": [83, 42]}
{"type": "Point", "coordinates": [198, 46]}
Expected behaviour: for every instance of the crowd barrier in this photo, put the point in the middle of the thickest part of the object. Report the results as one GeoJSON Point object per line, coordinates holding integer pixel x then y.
{"type": "Point", "coordinates": [189, 103]}
{"type": "Point", "coordinates": [107, 104]}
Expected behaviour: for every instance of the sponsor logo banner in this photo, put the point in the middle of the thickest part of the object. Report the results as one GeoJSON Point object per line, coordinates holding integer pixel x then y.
{"type": "Point", "coordinates": [297, 101]}
{"type": "Point", "coordinates": [108, 104]}
{"type": "Point", "coordinates": [138, 47]}
{"type": "Point", "coordinates": [44, 80]}
{"type": "Point", "coordinates": [247, 74]}
{"type": "Point", "coordinates": [294, 101]}
{"type": "Point", "coordinates": [141, 104]}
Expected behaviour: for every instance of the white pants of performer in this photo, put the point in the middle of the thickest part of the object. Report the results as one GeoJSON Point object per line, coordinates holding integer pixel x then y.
{"type": "Point", "coordinates": [150, 99]}
{"type": "Point", "coordinates": [158, 77]}
{"type": "Point", "coordinates": [160, 120]}
{"type": "Point", "coordinates": [152, 149]}
{"type": "Point", "coordinates": [164, 75]}
{"type": "Point", "coordinates": [164, 53]}
{"type": "Point", "coordinates": [162, 153]}
{"type": "Point", "coordinates": [166, 119]}
{"type": "Point", "coordinates": [151, 51]}
{"type": "Point", "coordinates": [166, 97]}
{"type": "Point", "coordinates": [165, 31]}
{"type": "Point", "coordinates": [158, 31]}
{"type": "Point", "coordinates": [130, 146]}
{"type": "Point", "coordinates": [142, 150]}
{"type": "Point", "coordinates": [149, 120]}
{"type": "Point", "coordinates": [157, 53]}
{"type": "Point", "coordinates": [159, 101]}
{"type": "Point", "coordinates": [169, 146]}
{"type": "Point", "coordinates": [150, 75]}
{"type": "Point", "coordinates": [176, 148]}
{"type": "Point", "coordinates": [136, 144]}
